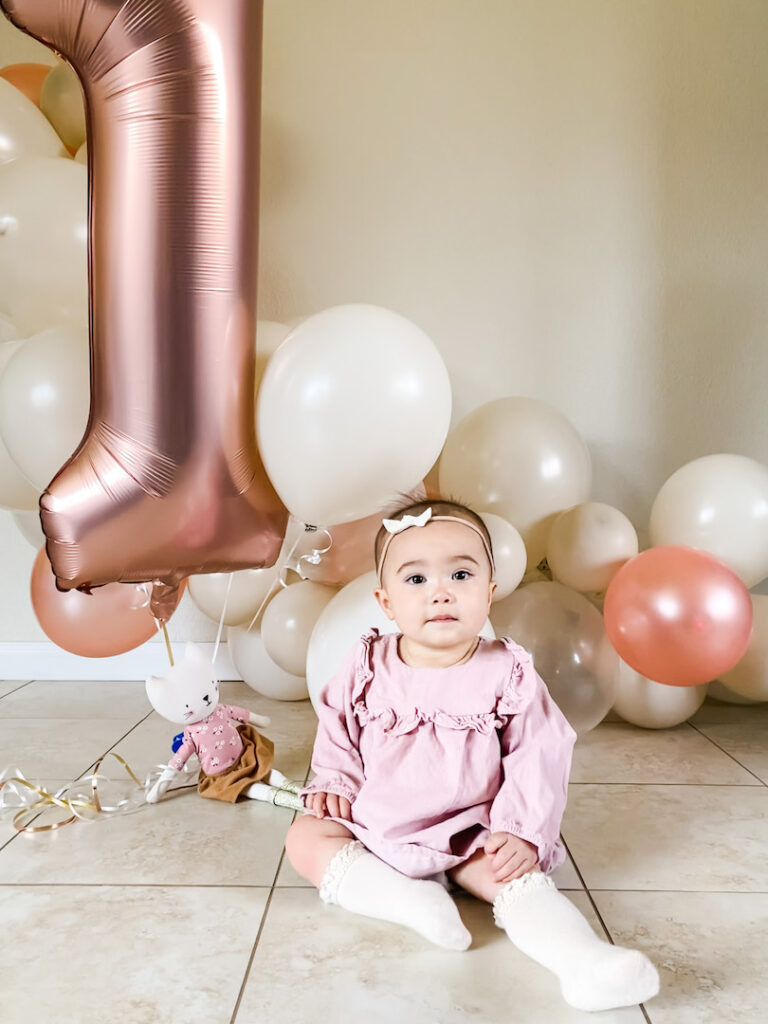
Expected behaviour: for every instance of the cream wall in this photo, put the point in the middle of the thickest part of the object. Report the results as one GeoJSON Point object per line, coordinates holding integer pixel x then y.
{"type": "Point", "coordinates": [567, 195]}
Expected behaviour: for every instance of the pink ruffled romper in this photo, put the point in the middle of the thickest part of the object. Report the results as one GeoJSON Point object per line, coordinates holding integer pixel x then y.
{"type": "Point", "coordinates": [435, 759]}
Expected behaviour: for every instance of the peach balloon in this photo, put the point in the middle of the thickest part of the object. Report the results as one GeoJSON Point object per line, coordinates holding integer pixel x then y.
{"type": "Point", "coordinates": [111, 620]}
{"type": "Point", "coordinates": [350, 554]}
{"type": "Point", "coordinates": [28, 78]}
{"type": "Point", "coordinates": [678, 616]}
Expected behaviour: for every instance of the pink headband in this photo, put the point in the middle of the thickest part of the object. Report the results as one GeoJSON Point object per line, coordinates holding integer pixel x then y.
{"type": "Point", "coordinates": [395, 526]}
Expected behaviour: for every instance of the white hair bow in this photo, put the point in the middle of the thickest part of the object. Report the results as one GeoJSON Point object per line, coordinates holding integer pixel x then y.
{"type": "Point", "coordinates": [398, 525]}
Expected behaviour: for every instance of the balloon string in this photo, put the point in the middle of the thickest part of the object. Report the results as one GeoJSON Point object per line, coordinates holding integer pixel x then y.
{"type": "Point", "coordinates": [221, 620]}
{"type": "Point", "coordinates": [167, 643]}
{"type": "Point", "coordinates": [282, 561]}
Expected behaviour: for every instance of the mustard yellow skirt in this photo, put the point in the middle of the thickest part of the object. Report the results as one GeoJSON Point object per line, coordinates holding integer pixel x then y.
{"type": "Point", "coordinates": [252, 766]}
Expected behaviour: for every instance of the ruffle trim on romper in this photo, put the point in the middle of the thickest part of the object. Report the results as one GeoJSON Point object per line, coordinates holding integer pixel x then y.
{"type": "Point", "coordinates": [340, 863]}
{"type": "Point", "coordinates": [520, 688]}
{"type": "Point", "coordinates": [516, 890]}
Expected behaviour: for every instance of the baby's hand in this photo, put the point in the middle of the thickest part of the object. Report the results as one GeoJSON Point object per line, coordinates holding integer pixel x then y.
{"type": "Point", "coordinates": [511, 856]}
{"type": "Point", "coordinates": [328, 805]}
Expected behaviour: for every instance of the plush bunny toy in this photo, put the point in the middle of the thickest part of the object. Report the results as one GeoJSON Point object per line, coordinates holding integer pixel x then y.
{"type": "Point", "coordinates": [235, 760]}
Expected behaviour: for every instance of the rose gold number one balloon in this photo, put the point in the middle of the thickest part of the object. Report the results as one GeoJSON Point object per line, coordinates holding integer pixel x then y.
{"type": "Point", "coordinates": [167, 480]}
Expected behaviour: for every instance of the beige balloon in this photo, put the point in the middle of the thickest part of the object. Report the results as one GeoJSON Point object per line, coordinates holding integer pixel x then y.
{"type": "Point", "coordinates": [719, 504]}
{"type": "Point", "coordinates": [288, 623]}
{"type": "Point", "coordinates": [720, 692]}
{"type": "Point", "coordinates": [16, 492]}
{"type": "Point", "coordinates": [43, 243]}
{"type": "Point", "coordinates": [248, 593]}
{"type": "Point", "coordinates": [509, 555]}
{"type": "Point", "coordinates": [249, 656]}
{"type": "Point", "coordinates": [651, 705]}
{"type": "Point", "coordinates": [588, 544]}
{"type": "Point", "coordinates": [749, 678]}
{"type": "Point", "coordinates": [24, 131]}
{"type": "Point", "coordinates": [81, 156]}
{"type": "Point", "coordinates": [8, 330]}
{"type": "Point", "coordinates": [29, 526]}
{"type": "Point", "coordinates": [45, 396]}
{"type": "Point", "coordinates": [522, 460]}
{"type": "Point", "coordinates": [62, 102]}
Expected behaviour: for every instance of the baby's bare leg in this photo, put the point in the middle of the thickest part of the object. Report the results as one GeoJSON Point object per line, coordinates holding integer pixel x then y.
{"type": "Point", "coordinates": [346, 873]}
{"type": "Point", "coordinates": [544, 924]}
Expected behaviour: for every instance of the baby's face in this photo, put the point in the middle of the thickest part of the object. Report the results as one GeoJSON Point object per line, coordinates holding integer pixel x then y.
{"type": "Point", "coordinates": [436, 584]}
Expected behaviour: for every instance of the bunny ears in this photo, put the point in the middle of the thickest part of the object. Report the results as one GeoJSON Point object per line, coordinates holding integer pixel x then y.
{"type": "Point", "coordinates": [395, 526]}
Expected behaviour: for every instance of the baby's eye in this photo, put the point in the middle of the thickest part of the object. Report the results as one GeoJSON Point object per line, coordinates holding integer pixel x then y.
{"type": "Point", "coordinates": [462, 574]}
{"type": "Point", "coordinates": [416, 578]}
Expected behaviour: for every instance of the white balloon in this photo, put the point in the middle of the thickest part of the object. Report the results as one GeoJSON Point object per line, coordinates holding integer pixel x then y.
{"type": "Point", "coordinates": [251, 660]}
{"type": "Point", "coordinates": [749, 678]}
{"type": "Point", "coordinates": [653, 705]}
{"type": "Point", "coordinates": [43, 243]}
{"type": "Point", "coordinates": [269, 336]}
{"type": "Point", "coordinates": [588, 544]}
{"type": "Point", "coordinates": [16, 492]}
{"type": "Point", "coordinates": [719, 504]}
{"type": "Point", "coordinates": [521, 459]}
{"type": "Point", "coordinates": [566, 637]}
{"type": "Point", "coordinates": [354, 407]}
{"type": "Point", "coordinates": [353, 611]}
{"type": "Point", "coordinates": [28, 525]}
{"type": "Point", "coordinates": [243, 597]}
{"type": "Point", "coordinates": [44, 401]}
{"type": "Point", "coordinates": [288, 623]}
{"type": "Point", "coordinates": [509, 556]}
{"type": "Point", "coordinates": [24, 131]}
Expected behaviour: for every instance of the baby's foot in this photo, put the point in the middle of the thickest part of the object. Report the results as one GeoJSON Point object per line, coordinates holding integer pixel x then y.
{"type": "Point", "coordinates": [612, 976]}
{"type": "Point", "coordinates": [434, 915]}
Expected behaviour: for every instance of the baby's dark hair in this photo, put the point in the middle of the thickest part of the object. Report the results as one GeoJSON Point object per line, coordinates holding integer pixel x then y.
{"type": "Point", "coordinates": [440, 507]}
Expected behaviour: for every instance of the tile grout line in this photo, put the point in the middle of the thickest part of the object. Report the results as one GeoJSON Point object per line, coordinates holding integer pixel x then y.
{"type": "Point", "coordinates": [728, 754]}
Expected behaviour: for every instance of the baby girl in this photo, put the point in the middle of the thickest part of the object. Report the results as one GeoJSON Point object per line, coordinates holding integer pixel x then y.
{"type": "Point", "coordinates": [441, 759]}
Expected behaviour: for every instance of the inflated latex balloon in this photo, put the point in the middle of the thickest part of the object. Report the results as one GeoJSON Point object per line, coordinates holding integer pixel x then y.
{"type": "Point", "coordinates": [28, 525]}
{"type": "Point", "coordinates": [564, 633]}
{"type": "Point", "coordinates": [61, 100]}
{"type": "Point", "coordinates": [749, 677]}
{"type": "Point", "coordinates": [23, 129]}
{"type": "Point", "coordinates": [27, 78]}
{"type": "Point", "coordinates": [719, 504]}
{"type": "Point", "coordinates": [16, 492]}
{"type": "Point", "coordinates": [354, 407]}
{"type": "Point", "coordinates": [43, 243]}
{"type": "Point", "coordinates": [678, 616]}
{"type": "Point", "coordinates": [509, 556]}
{"type": "Point", "coordinates": [719, 691]}
{"type": "Point", "coordinates": [588, 544]}
{"type": "Point", "coordinates": [242, 597]}
{"type": "Point", "coordinates": [112, 620]}
{"type": "Point", "coordinates": [652, 705]}
{"type": "Point", "coordinates": [288, 621]}
{"type": "Point", "coordinates": [44, 399]}
{"type": "Point", "coordinates": [520, 459]}
{"type": "Point", "coordinates": [167, 481]}
{"type": "Point", "coordinates": [348, 615]}
{"type": "Point", "coordinates": [269, 336]}
{"type": "Point", "coordinates": [257, 669]}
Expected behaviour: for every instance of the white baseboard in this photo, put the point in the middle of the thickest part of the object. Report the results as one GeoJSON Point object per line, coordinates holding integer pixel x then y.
{"type": "Point", "coordinates": [47, 661]}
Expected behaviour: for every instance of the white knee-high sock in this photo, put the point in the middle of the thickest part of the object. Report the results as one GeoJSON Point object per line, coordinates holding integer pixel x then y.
{"type": "Point", "coordinates": [363, 884]}
{"type": "Point", "coordinates": [593, 975]}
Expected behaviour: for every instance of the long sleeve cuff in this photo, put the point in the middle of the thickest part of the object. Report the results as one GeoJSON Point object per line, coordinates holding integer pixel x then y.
{"type": "Point", "coordinates": [335, 784]}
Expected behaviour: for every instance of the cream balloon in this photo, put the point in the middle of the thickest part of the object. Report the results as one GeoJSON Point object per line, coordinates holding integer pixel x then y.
{"type": "Point", "coordinates": [719, 504]}
{"type": "Point", "coordinates": [61, 100]}
{"type": "Point", "coordinates": [81, 156]}
{"type": "Point", "coordinates": [257, 669]}
{"type": "Point", "coordinates": [16, 492]}
{"type": "Point", "coordinates": [242, 597]}
{"type": "Point", "coordinates": [653, 705]}
{"type": "Point", "coordinates": [44, 402]}
{"type": "Point", "coordinates": [719, 691]}
{"type": "Point", "coordinates": [749, 678]}
{"type": "Point", "coordinates": [509, 555]}
{"type": "Point", "coordinates": [588, 544]}
{"type": "Point", "coordinates": [29, 526]}
{"type": "Point", "coordinates": [8, 330]}
{"type": "Point", "coordinates": [43, 243]}
{"type": "Point", "coordinates": [566, 637]}
{"type": "Point", "coordinates": [269, 336]}
{"type": "Point", "coordinates": [288, 623]}
{"type": "Point", "coordinates": [354, 407]}
{"type": "Point", "coordinates": [520, 459]}
{"type": "Point", "coordinates": [23, 129]}
{"type": "Point", "coordinates": [349, 614]}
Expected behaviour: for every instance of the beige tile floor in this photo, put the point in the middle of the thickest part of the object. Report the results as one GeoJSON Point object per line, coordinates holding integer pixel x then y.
{"type": "Point", "coordinates": [187, 911]}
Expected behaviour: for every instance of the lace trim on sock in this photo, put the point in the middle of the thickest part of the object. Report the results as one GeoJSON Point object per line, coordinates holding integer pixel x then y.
{"type": "Point", "coordinates": [516, 890]}
{"type": "Point", "coordinates": [338, 867]}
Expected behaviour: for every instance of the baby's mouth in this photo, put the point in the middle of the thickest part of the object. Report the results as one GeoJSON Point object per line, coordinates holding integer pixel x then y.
{"type": "Point", "coordinates": [443, 618]}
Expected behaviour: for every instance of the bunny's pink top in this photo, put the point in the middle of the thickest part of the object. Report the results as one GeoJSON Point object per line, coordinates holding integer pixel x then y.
{"type": "Point", "coordinates": [215, 740]}
{"type": "Point", "coordinates": [435, 759]}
